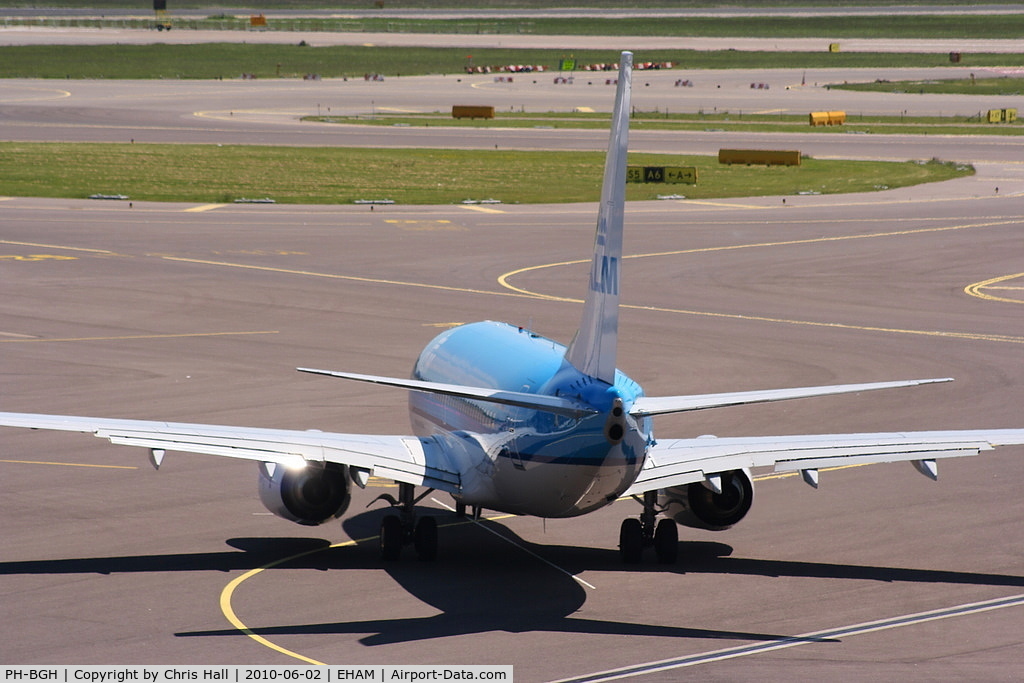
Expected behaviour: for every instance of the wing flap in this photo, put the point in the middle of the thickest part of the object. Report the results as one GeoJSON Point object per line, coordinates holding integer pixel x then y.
{"type": "Point", "coordinates": [821, 459]}
{"type": "Point", "coordinates": [677, 462]}
{"type": "Point", "coordinates": [408, 459]}
{"type": "Point", "coordinates": [226, 450]}
{"type": "Point", "coordinates": [413, 460]}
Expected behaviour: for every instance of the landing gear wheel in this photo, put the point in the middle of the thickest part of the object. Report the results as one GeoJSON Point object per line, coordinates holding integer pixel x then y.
{"type": "Point", "coordinates": [425, 539]}
{"type": "Point", "coordinates": [391, 537]}
{"type": "Point", "coordinates": [631, 541]}
{"type": "Point", "coordinates": [666, 541]}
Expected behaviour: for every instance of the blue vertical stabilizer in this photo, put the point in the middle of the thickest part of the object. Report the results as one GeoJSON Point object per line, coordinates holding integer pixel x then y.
{"type": "Point", "coordinates": [593, 349]}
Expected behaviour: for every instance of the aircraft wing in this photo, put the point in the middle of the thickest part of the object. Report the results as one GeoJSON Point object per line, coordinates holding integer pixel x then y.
{"type": "Point", "coordinates": [407, 459]}
{"type": "Point", "coordinates": [675, 462]}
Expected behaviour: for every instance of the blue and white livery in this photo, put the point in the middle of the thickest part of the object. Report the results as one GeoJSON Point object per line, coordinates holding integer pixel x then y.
{"type": "Point", "coordinates": [507, 420]}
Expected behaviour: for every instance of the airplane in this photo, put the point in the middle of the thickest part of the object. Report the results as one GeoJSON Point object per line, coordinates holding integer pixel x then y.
{"type": "Point", "coordinates": [505, 419]}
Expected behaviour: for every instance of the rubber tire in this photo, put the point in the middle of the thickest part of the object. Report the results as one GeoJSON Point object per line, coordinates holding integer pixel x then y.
{"type": "Point", "coordinates": [631, 541]}
{"type": "Point", "coordinates": [425, 539]}
{"type": "Point", "coordinates": [666, 541]}
{"type": "Point", "coordinates": [391, 537]}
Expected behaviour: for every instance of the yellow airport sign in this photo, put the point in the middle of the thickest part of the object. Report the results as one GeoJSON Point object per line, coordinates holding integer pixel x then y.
{"type": "Point", "coordinates": [661, 174]}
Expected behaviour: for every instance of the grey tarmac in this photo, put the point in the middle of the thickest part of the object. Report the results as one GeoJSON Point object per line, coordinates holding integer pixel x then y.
{"type": "Point", "coordinates": [201, 313]}
{"type": "Point", "coordinates": [156, 311]}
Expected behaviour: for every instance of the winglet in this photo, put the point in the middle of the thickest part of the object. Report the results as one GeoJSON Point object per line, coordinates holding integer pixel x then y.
{"type": "Point", "coordinates": [593, 349]}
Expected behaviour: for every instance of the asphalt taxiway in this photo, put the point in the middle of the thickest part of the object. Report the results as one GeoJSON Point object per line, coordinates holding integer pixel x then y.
{"type": "Point", "coordinates": [201, 312]}
{"type": "Point", "coordinates": [270, 111]}
{"type": "Point", "coordinates": [160, 311]}
{"type": "Point", "coordinates": [485, 40]}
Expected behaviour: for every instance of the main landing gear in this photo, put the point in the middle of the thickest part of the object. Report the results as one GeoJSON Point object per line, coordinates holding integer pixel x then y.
{"type": "Point", "coordinates": [397, 530]}
{"type": "Point", "coordinates": [636, 534]}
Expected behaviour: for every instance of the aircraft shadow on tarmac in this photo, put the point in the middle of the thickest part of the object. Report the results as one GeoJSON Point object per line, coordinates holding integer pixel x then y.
{"type": "Point", "coordinates": [480, 583]}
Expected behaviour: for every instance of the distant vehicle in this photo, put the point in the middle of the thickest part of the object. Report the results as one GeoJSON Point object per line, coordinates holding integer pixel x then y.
{"type": "Point", "coordinates": [505, 419]}
{"type": "Point", "coordinates": [163, 20]}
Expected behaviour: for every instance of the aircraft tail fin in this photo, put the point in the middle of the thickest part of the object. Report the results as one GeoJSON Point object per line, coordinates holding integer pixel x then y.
{"type": "Point", "coordinates": [593, 349]}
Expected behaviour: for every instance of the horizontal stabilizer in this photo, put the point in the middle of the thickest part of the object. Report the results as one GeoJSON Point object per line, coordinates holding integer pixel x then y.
{"type": "Point", "coordinates": [660, 405]}
{"type": "Point", "coordinates": [550, 404]}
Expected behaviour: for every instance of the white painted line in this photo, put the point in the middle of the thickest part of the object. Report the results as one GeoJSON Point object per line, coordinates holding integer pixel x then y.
{"type": "Point", "coordinates": [56, 246]}
{"type": "Point", "coordinates": [525, 550]}
{"type": "Point", "coordinates": [806, 638]}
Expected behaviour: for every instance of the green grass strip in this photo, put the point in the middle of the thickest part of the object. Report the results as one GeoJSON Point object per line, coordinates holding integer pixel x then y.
{"type": "Point", "coordinates": [309, 175]}
{"type": "Point", "coordinates": [975, 124]}
{"type": "Point", "coordinates": [1006, 86]}
{"type": "Point", "coordinates": [231, 60]}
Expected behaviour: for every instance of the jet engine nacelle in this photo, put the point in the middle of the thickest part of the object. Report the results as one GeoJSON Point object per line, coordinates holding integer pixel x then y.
{"type": "Point", "coordinates": [317, 493]}
{"type": "Point", "coordinates": [699, 507]}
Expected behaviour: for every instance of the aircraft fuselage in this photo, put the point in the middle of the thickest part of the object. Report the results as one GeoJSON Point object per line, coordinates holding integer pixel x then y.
{"type": "Point", "coordinates": [537, 463]}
